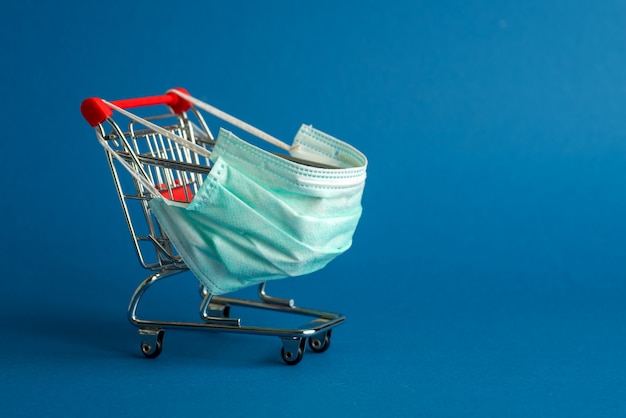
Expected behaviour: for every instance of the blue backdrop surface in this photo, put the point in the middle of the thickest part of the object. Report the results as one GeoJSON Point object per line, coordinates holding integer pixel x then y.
{"type": "Point", "coordinates": [486, 277]}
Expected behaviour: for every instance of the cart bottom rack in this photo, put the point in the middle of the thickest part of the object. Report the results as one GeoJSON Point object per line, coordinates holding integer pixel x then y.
{"type": "Point", "coordinates": [215, 315]}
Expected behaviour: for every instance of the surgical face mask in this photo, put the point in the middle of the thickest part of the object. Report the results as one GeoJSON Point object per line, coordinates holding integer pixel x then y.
{"type": "Point", "coordinates": [260, 217]}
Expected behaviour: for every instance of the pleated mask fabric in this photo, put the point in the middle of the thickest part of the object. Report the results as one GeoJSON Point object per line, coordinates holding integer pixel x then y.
{"type": "Point", "coordinates": [261, 217]}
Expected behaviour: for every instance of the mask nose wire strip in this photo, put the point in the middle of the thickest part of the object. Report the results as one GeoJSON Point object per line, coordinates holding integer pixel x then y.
{"type": "Point", "coordinates": [233, 121]}
{"type": "Point", "coordinates": [180, 141]}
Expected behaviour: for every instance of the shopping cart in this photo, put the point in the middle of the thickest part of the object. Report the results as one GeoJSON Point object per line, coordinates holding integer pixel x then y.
{"type": "Point", "coordinates": [168, 155]}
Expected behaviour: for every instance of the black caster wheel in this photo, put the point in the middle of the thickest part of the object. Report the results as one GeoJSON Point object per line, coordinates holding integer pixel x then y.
{"type": "Point", "coordinates": [321, 342]}
{"type": "Point", "coordinates": [154, 344]}
{"type": "Point", "coordinates": [293, 351]}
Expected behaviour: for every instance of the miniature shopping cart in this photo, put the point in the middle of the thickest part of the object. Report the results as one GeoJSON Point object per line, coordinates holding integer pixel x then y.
{"type": "Point", "coordinates": [153, 153]}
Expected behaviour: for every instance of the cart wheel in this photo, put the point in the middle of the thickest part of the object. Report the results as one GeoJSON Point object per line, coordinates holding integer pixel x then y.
{"type": "Point", "coordinates": [154, 346]}
{"type": "Point", "coordinates": [291, 358]}
{"type": "Point", "coordinates": [293, 351]}
{"type": "Point", "coordinates": [320, 343]}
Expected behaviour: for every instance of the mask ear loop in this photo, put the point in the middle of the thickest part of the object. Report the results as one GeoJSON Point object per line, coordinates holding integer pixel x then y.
{"type": "Point", "coordinates": [234, 121]}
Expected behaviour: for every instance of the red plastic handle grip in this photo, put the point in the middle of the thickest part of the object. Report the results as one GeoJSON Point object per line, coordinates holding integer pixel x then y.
{"type": "Point", "coordinates": [95, 111]}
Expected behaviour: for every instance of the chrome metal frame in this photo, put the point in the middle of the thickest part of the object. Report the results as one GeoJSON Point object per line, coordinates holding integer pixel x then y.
{"type": "Point", "coordinates": [172, 167]}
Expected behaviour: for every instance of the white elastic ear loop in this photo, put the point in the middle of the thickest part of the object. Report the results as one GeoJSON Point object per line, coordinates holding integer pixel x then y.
{"type": "Point", "coordinates": [133, 172]}
{"type": "Point", "coordinates": [179, 140]}
{"type": "Point", "coordinates": [233, 120]}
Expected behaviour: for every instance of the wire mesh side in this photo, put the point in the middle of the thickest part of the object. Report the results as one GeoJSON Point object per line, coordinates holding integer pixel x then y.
{"type": "Point", "coordinates": [176, 172]}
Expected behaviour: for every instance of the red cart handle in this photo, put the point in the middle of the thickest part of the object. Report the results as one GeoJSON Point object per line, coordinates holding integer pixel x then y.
{"type": "Point", "coordinates": [95, 111]}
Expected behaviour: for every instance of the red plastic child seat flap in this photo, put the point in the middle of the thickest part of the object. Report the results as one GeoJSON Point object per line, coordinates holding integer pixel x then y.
{"type": "Point", "coordinates": [177, 193]}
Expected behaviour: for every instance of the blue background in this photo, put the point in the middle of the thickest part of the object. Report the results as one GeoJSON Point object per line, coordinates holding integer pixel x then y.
{"type": "Point", "coordinates": [486, 276]}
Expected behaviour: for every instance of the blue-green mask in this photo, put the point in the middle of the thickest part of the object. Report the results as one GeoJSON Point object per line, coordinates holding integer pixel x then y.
{"type": "Point", "coordinates": [260, 217]}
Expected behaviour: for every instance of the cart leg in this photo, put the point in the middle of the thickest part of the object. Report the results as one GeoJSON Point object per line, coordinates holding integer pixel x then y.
{"type": "Point", "coordinates": [210, 309]}
{"type": "Point", "coordinates": [273, 300]}
{"type": "Point", "coordinates": [293, 350]}
{"type": "Point", "coordinates": [151, 341]}
{"type": "Point", "coordinates": [217, 313]}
